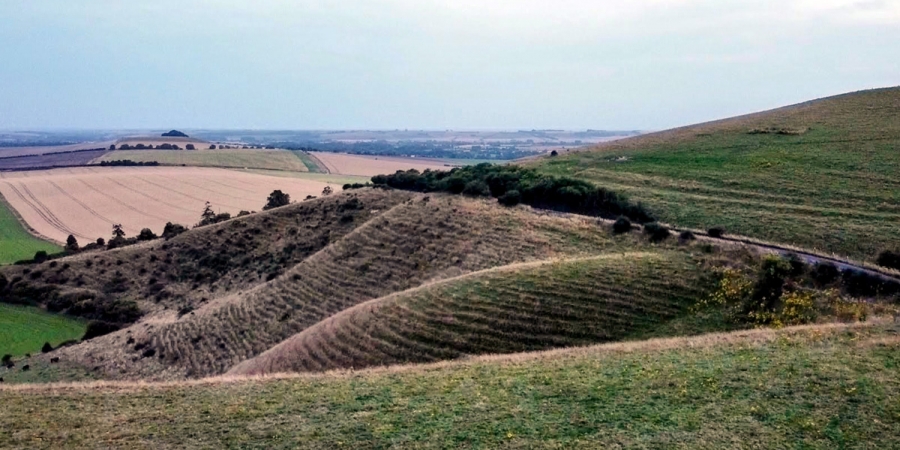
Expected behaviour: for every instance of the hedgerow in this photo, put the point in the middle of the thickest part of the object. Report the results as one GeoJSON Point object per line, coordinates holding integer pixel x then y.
{"type": "Point", "coordinates": [534, 189]}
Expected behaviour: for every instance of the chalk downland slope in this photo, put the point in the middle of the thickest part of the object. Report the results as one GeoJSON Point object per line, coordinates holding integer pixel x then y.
{"type": "Point", "coordinates": [823, 174]}
{"type": "Point", "coordinates": [422, 239]}
{"type": "Point", "coordinates": [812, 387]}
{"type": "Point", "coordinates": [517, 308]}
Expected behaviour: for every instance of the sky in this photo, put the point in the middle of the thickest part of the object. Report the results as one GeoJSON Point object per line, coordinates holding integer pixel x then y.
{"type": "Point", "coordinates": [423, 64]}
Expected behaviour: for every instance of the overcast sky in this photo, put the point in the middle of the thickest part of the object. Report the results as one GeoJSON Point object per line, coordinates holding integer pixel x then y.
{"type": "Point", "coordinates": [460, 64]}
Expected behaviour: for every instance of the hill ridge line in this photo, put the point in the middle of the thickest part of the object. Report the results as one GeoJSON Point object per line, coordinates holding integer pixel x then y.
{"type": "Point", "coordinates": [755, 335]}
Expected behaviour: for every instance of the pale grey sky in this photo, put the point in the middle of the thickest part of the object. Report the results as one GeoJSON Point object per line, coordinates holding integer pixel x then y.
{"type": "Point", "coordinates": [463, 64]}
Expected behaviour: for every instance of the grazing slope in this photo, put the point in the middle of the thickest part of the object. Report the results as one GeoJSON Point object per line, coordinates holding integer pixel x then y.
{"type": "Point", "coordinates": [16, 243]}
{"type": "Point", "coordinates": [823, 174]}
{"type": "Point", "coordinates": [422, 239]}
{"type": "Point", "coordinates": [517, 308]}
{"type": "Point", "coordinates": [228, 158]}
{"type": "Point", "coordinates": [25, 330]}
{"type": "Point", "coordinates": [814, 387]}
{"type": "Point", "coordinates": [86, 202]}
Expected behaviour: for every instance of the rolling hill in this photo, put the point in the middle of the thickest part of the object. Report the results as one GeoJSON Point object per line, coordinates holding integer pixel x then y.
{"type": "Point", "coordinates": [823, 174]}
{"type": "Point", "coordinates": [509, 309]}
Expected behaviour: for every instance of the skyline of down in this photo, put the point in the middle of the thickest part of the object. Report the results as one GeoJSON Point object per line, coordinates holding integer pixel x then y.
{"type": "Point", "coordinates": [431, 65]}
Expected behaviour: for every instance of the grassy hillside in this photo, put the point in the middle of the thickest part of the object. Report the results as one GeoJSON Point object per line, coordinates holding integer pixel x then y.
{"type": "Point", "coordinates": [819, 387]}
{"type": "Point", "coordinates": [232, 158]}
{"type": "Point", "coordinates": [16, 243]}
{"type": "Point", "coordinates": [423, 239]}
{"type": "Point", "coordinates": [823, 174]}
{"type": "Point", "coordinates": [25, 330]}
{"type": "Point", "coordinates": [523, 307]}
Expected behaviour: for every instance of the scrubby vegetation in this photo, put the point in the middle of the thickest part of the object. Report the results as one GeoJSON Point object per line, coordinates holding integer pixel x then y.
{"type": "Point", "coordinates": [513, 184]}
{"type": "Point", "coordinates": [127, 163]}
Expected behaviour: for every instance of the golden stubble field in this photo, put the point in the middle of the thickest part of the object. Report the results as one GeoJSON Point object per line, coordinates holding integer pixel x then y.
{"type": "Point", "coordinates": [86, 202]}
{"type": "Point", "coordinates": [363, 165]}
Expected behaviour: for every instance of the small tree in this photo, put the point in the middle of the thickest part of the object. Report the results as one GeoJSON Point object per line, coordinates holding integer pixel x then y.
{"type": "Point", "coordinates": [101, 242]}
{"type": "Point", "coordinates": [71, 244]}
{"type": "Point", "coordinates": [118, 232]}
{"type": "Point", "coordinates": [189, 147]}
{"type": "Point", "coordinates": [173, 229]}
{"type": "Point", "coordinates": [208, 215]}
{"type": "Point", "coordinates": [40, 256]}
{"type": "Point", "coordinates": [277, 199]}
{"type": "Point", "coordinates": [327, 191]}
{"type": "Point", "coordinates": [622, 225]}
{"type": "Point", "coordinates": [212, 147]}
{"type": "Point", "coordinates": [47, 348]}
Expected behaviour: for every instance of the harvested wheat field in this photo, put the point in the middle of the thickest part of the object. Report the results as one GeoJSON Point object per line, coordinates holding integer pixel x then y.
{"type": "Point", "coordinates": [86, 202]}
{"type": "Point", "coordinates": [369, 166]}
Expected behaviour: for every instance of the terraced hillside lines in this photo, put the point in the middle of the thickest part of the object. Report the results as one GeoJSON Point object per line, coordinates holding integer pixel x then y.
{"type": "Point", "coordinates": [810, 387]}
{"type": "Point", "coordinates": [228, 158]}
{"type": "Point", "coordinates": [424, 239]}
{"type": "Point", "coordinates": [16, 242]}
{"type": "Point", "coordinates": [823, 175]}
{"type": "Point", "coordinates": [364, 165]}
{"type": "Point", "coordinates": [85, 202]}
{"type": "Point", "coordinates": [523, 307]}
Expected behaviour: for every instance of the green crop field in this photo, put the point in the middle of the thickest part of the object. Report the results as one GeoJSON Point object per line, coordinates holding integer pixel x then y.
{"type": "Point", "coordinates": [823, 175]}
{"type": "Point", "coordinates": [25, 329]}
{"type": "Point", "coordinates": [819, 387]}
{"type": "Point", "coordinates": [16, 243]}
{"type": "Point", "coordinates": [232, 158]}
{"type": "Point", "coordinates": [311, 165]}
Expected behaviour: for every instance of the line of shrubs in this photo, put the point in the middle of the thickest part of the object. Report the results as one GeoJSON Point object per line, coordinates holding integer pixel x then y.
{"type": "Point", "coordinates": [127, 163]}
{"type": "Point", "coordinates": [512, 185]}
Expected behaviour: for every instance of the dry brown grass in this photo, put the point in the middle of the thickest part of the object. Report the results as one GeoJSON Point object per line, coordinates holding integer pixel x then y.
{"type": "Point", "coordinates": [516, 308]}
{"type": "Point", "coordinates": [416, 242]}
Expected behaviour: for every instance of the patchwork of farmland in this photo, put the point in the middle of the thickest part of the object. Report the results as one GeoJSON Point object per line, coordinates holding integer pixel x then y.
{"type": "Point", "coordinates": [86, 202]}
{"type": "Point", "coordinates": [228, 158]}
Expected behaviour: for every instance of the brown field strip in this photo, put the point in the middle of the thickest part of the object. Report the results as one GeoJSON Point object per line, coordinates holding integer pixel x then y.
{"type": "Point", "coordinates": [85, 202]}
{"type": "Point", "coordinates": [364, 165]}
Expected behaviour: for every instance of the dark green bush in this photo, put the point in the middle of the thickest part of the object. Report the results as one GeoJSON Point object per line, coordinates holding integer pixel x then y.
{"type": "Point", "coordinates": [510, 198]}
{"type": "Point", "coordinates": [716, 232]}
{"type": "Point", "coordinates": [47, 348]}
{"type": "Point", "coordinates": [98, 328]}
{"type": "Point", "coordinates": [825, 273]}
{"type": "Point", "coordinates": [277, 199]}
{"type": "Point", "coordinates": [477, 188]}
{"type": "Point", "coordinates": [40, 256]}
{"type": "Point", "coordinates": [656, 232]}
{"type": "Point", "coordinates": [146, 235]}
{"type": "Point", "coordinates": [889, 259]}
{"type": "Point", "coordinates": [173, 229]}
{"type": "Point", "coordinates": [622, 225]}
{"type": "Point", "coordinates": [769, 284]}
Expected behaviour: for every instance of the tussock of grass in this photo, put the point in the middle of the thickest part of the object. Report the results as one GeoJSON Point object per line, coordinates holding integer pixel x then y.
{"type": "Point", "coordinates": [510, 309]}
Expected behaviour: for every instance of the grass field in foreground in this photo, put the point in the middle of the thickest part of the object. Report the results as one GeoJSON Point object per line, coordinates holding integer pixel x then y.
{"type": "Point", "coordinates": [16, 243]}
{"type": "Point", "coordinates": [25, 329]}
{"type": "Point", "coordinates": [823, 175]}
{"type": "Point", "coordinates": [234, 158]}
{"type": "Point", "coordinates": [825, 387]}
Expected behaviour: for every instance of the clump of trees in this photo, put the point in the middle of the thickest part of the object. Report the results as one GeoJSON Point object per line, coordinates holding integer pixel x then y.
{"type": "Point", "coordinates": [277, 199]}
{"type": "Point", "coordinates": [71, 244]}
{"type": "Point", "coordinates": [172, 229]}
{"type": "Point", "coordinates": [128, 163]}
{"type": "Point", "coordinates": [537, 190]}
{"type": "Point", "coordinates": [174, 133]}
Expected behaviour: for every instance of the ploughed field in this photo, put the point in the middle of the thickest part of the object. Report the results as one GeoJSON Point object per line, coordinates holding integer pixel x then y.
{"type": "Point", "coordinates": [86, 202]}
{"type": "Point", "coordinates": [823, 174]}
